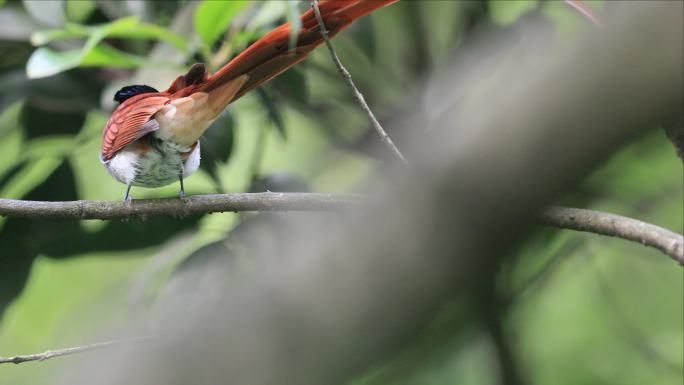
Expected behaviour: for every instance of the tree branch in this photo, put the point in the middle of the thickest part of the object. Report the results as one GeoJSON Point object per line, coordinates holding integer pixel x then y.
{"type": "Point", "coordinates": [597, 222]}
{"type": "Point", "coordinates": [612, 225]}
{"type": "Point", "coordinates": [357, 94]}
{"type": "Point", "coordinates": [68, 351]}
{"type": "Point", "coordinates": [196, 204]}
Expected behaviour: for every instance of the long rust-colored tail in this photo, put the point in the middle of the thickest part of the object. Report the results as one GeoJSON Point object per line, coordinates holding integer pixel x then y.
{"type": "Point", "coordinates": [271, 55]}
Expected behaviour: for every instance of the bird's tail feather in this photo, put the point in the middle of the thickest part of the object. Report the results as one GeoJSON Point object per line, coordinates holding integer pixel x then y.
{"type": "Point", "coordinates": [271, 55]}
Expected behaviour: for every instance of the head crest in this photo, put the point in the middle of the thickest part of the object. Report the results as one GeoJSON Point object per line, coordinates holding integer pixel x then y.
{"type": "Point", "coordinates": [130, 91]}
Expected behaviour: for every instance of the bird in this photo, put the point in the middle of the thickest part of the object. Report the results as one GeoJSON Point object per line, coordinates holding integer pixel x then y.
{"type": "Point", "coordinates": [152, 137]}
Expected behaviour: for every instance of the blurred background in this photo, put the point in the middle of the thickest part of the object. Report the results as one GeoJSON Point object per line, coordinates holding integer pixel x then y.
{"type": "Point", "coordinates": [581, 308]}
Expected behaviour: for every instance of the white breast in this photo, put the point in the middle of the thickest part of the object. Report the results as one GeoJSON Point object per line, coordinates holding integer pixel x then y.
{"type": "Point", "coordinates": [123, 166]}
{"type": "Point", "coordinates": [193, 162]}
{"type": "Point", "coordinates": [156, 168]}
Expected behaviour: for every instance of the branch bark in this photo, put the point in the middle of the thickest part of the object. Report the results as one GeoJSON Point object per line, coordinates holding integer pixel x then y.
{"type": "Point", "coordinates": [612, 225]}
{"type": "Point", "coordinates": [193, 205]}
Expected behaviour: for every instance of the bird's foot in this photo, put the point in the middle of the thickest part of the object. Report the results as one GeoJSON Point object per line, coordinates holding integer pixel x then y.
{"type": "Point", "coordinates": [181, 194]}
{"type": "Point", "coordinates": [128, 197]}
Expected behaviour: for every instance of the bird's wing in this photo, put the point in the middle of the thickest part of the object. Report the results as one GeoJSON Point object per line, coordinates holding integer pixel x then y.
{"type": "Point", "coordinates": [131, 121]}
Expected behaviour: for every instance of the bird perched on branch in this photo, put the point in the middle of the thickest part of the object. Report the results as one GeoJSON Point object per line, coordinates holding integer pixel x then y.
{"type": "Point", "coordinates": [152, 138]}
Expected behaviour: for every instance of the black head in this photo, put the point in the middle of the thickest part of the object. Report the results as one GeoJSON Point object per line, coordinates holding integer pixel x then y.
{"type": "Point", "coordinates": [130, 91]}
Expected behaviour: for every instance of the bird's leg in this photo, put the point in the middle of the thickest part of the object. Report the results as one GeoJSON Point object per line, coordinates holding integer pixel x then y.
{"type": "Point", "coordinates": [128, 197]}
{"type": "Point", "coordinates": [181, 194]}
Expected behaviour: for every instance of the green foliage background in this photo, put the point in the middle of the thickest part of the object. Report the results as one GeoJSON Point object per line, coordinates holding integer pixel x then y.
{"type": "Point", "coordinates": [603, 311]}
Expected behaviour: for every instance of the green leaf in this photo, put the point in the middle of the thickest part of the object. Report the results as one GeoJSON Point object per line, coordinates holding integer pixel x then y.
{"type": "Point", "coordinates": [9, 118]}
{"type": "Point", "coordinates": [132, 28]}
{"type": "Point", "coordinates": [213, 17]}
{"type": "Point", "coordinates": [31, 175]}
{"type": "Point", "coordinates": [126, 28]}
{"type": "Point", "coordinates": [52, 146]}
{"type": "Point", "coordinates": [78, 11]}
{"type": "Point", "coordinates": [243, 38]}
{"type": "Point", "coordinates": [47, 35]}
{"type": "Point", "coordinates": [104, 55]}
{"type": "Point", "coordinates": [46, 62]}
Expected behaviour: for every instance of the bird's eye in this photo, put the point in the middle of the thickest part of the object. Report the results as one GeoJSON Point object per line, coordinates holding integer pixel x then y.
{"type": "Point", "coordinates": [130, 91]}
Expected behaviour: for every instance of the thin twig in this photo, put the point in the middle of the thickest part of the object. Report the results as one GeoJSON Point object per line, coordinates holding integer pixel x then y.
{"type": "Point", "coordinates": [68, 351]}
{"type": "Point", "coordinates": [357, 94]}
{"type": "Point", "coordinates": [618, 226]}
{"type": "Point", "coordinates": [193, 205]}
